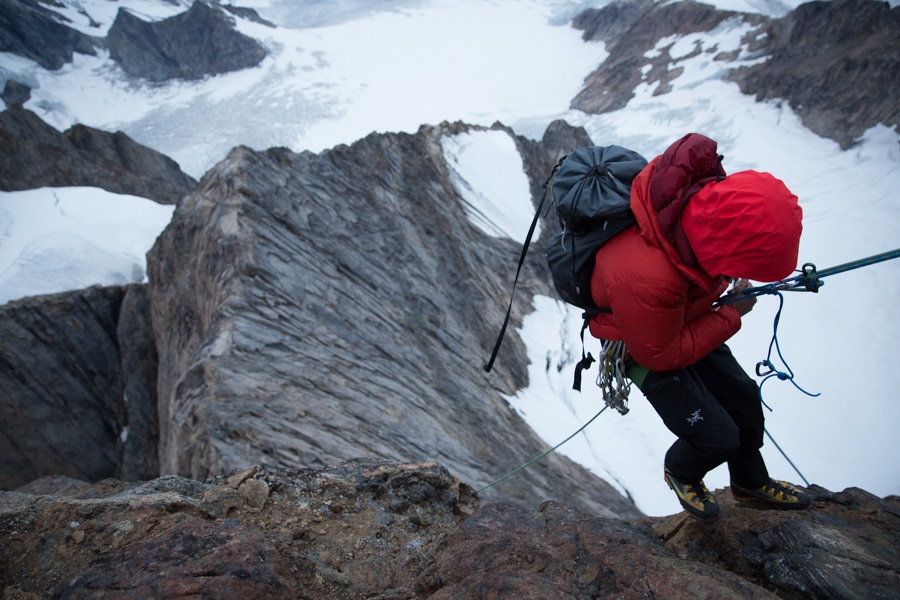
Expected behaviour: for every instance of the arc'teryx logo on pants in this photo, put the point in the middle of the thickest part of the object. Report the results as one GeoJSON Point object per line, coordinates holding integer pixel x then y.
{"type": "Point", "coordinates": [694, 417]}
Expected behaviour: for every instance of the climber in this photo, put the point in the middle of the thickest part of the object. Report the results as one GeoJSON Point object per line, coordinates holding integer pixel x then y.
{"type": "Point", "coordinates": [697, 230]}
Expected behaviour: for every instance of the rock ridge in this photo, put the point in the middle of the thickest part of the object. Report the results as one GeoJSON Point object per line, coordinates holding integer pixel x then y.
{"type": "Point", "coordinates": [312, 308]}
{"type": "Point", "coordinates": [836, 63]}
{"type": "Point", "coordinates": [31, 30]}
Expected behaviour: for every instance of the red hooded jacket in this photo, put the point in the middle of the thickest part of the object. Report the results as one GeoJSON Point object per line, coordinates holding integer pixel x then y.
{"type": "Point", "coordinates": [745, 225]}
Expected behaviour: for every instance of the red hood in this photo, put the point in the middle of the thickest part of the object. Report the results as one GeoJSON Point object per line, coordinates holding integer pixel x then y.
{"type": "Point", "coordinates": [747, 225]}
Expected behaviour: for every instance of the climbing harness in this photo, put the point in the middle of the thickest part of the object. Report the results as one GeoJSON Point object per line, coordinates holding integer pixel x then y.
{"type": "Point", "coordinates": [614, 358]}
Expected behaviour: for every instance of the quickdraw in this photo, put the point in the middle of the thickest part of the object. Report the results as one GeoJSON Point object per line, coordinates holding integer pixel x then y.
{"type": "Point", "coordinates": [612, 381]}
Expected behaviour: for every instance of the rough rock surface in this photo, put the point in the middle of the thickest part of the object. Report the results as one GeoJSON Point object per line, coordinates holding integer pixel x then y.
{"type": "Point", "coordinates": [33, 31]}
{"type": "Point", "coordinates": [140, 365]}
{"type": "Point", "coordinates": [199, 42]}
{"type": "Point", "coordinates": [380, 529]}
{"type": "Point", "coordinates": [355, 530]}
{"type": "Point", "coordinates": [314, 308]}
{"type": "Point", "coordinates": [836, 63]}
{"type": "Point", "coordinates": [33, 154]}
{"type": "Point", "coordinates": [846, 546]}
{"type": "Point", "coordinates": [62, 377]}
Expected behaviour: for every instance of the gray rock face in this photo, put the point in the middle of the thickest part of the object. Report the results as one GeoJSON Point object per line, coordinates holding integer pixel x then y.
{"type": "Point", "coordinates": [201, 41]}
{"type": "Point", "coordinates": [836, 63]}
{"type": "Point", "coordinates": [34, 154]}
{"type": "Point", "coordinates": [137, 355]}
{"type": "Point", "coordinates": [314, 308]}
{"type": "Point", "coordinates": [31, 30]}
{"type": "Point", "coordinates": [61, 387]}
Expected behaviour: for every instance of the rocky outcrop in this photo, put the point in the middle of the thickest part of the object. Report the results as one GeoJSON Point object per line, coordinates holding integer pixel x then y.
{"type": "Point", "coordinates": [33, 154]}
{"type": "Point", "coordinates": [199, 42]}
{"type": "Point", "coordinates": [360, 529]}
{"type": "Point", "coordinates": [836, 63]}
{"type": "Point", "coordinates": [631, 30]}
{"type": "Point", "coordinates": [382, 529]}
{"type": "Point", "coordinates": [846, 546]}
{"type": "Point", "coordinates": [315, 308]}
{"type": "Point", "coordinates": [62, 384]}
{"type": "Point", "coordinates": [33, 31]}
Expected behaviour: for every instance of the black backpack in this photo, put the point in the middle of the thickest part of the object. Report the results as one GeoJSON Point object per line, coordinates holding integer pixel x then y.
{"type": "Point", "coordinates": [591, 190]}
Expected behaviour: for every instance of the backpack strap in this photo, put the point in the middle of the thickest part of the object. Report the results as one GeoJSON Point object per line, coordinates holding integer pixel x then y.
{"type": "Point", "coordinates": [490, 363]}
{"type": "Point", "coordinates": [586, 359]}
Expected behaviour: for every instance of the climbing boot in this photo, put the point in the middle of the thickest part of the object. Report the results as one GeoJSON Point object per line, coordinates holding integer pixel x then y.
{"type": "Point", "coordinates": [695, 498]}
{"type": "Point", "coordinates": [777, 494]}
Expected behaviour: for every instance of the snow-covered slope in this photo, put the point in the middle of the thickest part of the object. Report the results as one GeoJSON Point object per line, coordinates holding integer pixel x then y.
{"type": "Point", "coordinates": [57, 239]}
{"type": "Point", "coordinates": [352, 68]}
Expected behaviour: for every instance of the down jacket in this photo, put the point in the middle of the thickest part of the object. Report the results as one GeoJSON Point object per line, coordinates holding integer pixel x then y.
{"type": "Point", "coordinates": [662, 276]}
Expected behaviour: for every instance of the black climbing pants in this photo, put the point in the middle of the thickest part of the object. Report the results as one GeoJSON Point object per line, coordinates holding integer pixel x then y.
{"type": "Point", "coordinates": [713, 407]}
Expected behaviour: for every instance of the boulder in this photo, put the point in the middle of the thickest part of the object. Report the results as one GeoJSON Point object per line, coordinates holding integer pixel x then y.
{"type": "Point", "coordinates": [15, 93]}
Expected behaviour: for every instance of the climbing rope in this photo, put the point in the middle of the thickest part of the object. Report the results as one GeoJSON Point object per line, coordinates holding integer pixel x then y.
{"type": "Point", "coordinates": [788, 374]}
{"type": "Point", "coordinates": [542, 455]}
{"type": "Point", "coordinates": [809, 280]}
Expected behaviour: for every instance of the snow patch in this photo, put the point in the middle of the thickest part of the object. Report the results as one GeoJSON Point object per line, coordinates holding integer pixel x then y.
{"type": "Point", "coordinates": [59, 239]}
{"type": "Point", "coordinates": [486, 170]}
